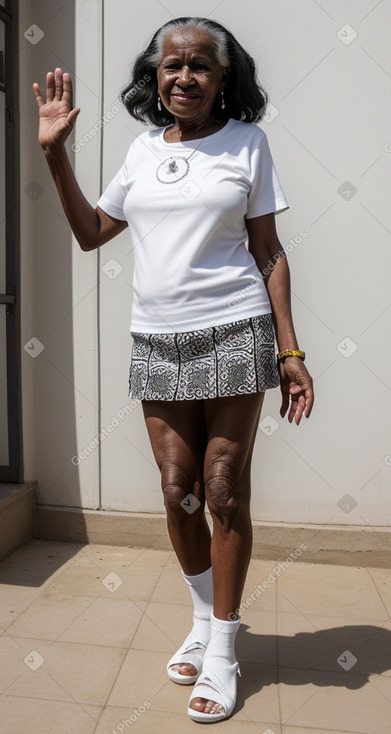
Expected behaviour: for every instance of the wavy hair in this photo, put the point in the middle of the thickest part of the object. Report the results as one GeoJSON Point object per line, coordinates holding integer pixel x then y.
{"type": "Point", "coordinates": [245, 99]}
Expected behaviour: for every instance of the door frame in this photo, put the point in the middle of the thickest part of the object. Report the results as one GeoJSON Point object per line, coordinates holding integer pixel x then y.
{"type": "Point", "coordinates": [14, 471]}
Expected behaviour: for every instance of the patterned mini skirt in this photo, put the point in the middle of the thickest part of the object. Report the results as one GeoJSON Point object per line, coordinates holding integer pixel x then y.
{"type": "Point", "coordinates": [231, 359]}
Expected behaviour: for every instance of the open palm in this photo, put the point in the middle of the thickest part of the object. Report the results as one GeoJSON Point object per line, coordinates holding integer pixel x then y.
{"type": "Point", "coordinates": [56, 116]}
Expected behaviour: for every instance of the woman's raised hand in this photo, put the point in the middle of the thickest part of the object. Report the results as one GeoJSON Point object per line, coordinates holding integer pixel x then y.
{"type": "Point", "coordinates": [56, 116]}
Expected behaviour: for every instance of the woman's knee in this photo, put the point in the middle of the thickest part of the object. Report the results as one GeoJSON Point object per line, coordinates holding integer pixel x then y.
{"type": "Point", "coordinates": [183, 493]}
{"type": "Point", "coordinates": [224, 491]}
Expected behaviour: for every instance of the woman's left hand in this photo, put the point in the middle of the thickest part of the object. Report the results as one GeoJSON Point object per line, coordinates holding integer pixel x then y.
{"type": "Point", "coordinates": [296, 384]}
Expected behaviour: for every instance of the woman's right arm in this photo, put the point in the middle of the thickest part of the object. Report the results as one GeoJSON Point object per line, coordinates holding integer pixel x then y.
{"type": "Point", "coordinates": [91, 227]}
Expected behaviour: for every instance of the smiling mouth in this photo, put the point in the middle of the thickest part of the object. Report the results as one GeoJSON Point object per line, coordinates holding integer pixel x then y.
{"type": "Point", "coordinates": [177, 95]}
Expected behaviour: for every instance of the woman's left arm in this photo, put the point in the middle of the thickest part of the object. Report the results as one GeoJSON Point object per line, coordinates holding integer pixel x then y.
{"type": "Point", "coordinates": [266, 249]}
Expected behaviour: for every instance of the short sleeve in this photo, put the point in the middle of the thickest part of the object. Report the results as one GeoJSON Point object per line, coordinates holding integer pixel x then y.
{"type": "Point", "coordinates": [266, 194]}
{"type": "Point", "coordinates": [113, 197]}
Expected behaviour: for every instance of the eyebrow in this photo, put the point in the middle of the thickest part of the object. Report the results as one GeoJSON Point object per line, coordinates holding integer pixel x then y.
{"type": "Point", "coordinates": [172, 57]}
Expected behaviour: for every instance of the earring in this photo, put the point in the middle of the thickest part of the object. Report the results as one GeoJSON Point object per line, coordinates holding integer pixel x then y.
{"type": "Point", "coordinates": [159, 104]}
{"type": "Point", "coordinates": [222, 101]}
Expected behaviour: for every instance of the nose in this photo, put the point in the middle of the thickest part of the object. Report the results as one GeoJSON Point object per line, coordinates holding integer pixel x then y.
{"type": "Point", "coordinates": [184, 77]}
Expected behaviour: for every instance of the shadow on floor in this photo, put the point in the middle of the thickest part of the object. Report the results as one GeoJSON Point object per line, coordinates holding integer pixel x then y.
{"type": "Point", "coordinates": [338, 656]}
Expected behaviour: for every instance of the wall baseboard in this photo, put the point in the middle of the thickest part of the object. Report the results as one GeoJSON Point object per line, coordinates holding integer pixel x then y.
{"type": "Point", "coordinates": [335, 544]}
{"type": "Point", "coordinates": [17, 503]}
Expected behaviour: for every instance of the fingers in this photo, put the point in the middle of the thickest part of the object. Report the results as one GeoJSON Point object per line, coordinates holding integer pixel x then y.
{"type": "Point", "coordinates": [298, 412]}
{"type": "Point", "coordinates": [37, 93]}
{"type": "Point", "coordinates": [298, 402]}
{"type": "Point", "coordinates": [284, 404]}
{"type": "Point", "coordinates": [71, 119]}
{"type": "Point", "coordinates": [58, 87]}
{"type": "Point", "coordinates": [309, 404]}
{"type": "Point", "coordinates": [58, 84]}
{"type": "Point", "coordinates": [302, 404]}
{"type": "Point", "coordinates": [49, 86]}
{"type": "Point", "coordinates": [67, 88]}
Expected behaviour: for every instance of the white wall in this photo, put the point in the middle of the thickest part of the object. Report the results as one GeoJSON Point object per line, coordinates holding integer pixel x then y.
{"type": "Point", "coordinates": [330, 92]}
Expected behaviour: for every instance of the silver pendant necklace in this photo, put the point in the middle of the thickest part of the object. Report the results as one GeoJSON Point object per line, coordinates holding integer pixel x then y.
{"type": "Point", "coordinates": [175, 167]}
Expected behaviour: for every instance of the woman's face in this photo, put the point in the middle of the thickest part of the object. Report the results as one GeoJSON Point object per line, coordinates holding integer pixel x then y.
{"type": "Point", "coordinates": [189, 76]}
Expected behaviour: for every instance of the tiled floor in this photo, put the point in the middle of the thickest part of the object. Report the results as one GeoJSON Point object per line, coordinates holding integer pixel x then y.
{"type": "Point", "coordinates": [86, 631]}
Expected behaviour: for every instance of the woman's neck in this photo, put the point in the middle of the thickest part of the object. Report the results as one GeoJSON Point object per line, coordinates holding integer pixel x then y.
{"type": "Point", "coordinates": [192, 129]}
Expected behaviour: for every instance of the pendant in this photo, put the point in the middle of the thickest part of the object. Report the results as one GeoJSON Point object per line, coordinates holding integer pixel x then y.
{"type": "Point", "coordinates": [172, 170]}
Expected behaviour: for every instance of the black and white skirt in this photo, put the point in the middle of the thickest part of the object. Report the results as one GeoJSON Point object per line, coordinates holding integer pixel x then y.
{"type": "Point", "coordinates": [231, 359]}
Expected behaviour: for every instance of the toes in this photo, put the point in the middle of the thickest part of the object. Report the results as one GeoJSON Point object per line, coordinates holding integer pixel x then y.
{"type": "Point", "coordinates": [211, 707]}
{"type": "Point", "coordinates": [185, 669]}
{"type": "Point", "coordinates": [197, 704]}
{"type": "Point", "coordinates": [206, 706]}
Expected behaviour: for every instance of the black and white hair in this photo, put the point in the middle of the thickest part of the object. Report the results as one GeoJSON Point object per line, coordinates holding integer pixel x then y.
{"type": "Point", "coordinates": [245, 99]}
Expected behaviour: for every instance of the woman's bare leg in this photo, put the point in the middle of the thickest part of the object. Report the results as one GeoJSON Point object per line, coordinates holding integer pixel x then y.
{"type": "Point", "coordinates": [231, 425]}
{"type": "Point", "coordinates": [177, 433]}
{"type": "Point", "coordinates": [205, 447]}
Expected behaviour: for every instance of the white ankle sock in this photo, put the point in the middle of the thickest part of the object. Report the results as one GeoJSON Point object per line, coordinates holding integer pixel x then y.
{"type": "Point", "coordinates": [221, 645]}
{"type": "Point", "coordinates": [201, 590]}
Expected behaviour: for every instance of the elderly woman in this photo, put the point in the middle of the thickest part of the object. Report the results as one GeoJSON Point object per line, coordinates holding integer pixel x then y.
{"type": "Point", "coordinates": [199, 193]}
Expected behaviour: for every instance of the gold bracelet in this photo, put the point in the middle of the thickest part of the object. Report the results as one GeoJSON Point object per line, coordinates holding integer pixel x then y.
{"type": "Point", "coordinates": [281, 356]}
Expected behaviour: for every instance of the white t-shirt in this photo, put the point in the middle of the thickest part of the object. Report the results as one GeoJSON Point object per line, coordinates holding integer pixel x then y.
{"type": "Point", "coordinates": [192, 267]}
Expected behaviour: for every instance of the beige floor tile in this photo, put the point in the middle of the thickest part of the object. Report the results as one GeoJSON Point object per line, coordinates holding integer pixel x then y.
{"type": "Point", "coordinates": [134, 572]}
{"type": "Point", "coordinates": [259, 593]}
{"type": "Point", "coordinates": [264, 565]}
{"type": "Point", "coordinates": [142, 676]}
{"type": "Point", "coordinates": [48, 616]}
{"type": "Point", "coordinates": [257, 693]}
{"type": "Point", "coordinates": [109, 554]}
{"type": "Point", "coordinates": [67, 671]}
{"type": "Point", "coordinates": [172, 559]}
{"type": "Point", "coordinates": [37, 716]}
{"type": "Point", "coordinates": [87, 579]}
{"type": "Point", "coordinates": [163, 628]}
{"type": "Point", "coordinates": [104, 622]}
{"type": "Point", "coordinates": [335, 701]}
{"type": "Point", "coordinates": [13, 601]}
{"type": "Point", "coordinates": [256, 640]}
{"type": "Point", "coordinates": [382, 579]}
{"type": "Point", "coordinates": [12, 654]}
{"type": "Point", "coordinates": [316, 643]}
{"type": "Point", "coordinates": [151, 559]}
{"type": "Point", "coordinates": [28, 672]}
{"type": "Point", "coordinates": [311, 730]}
{"type": "Point", "coordinates": [179, 722]}
{"type": "Point", "coordinates": [338, 591]}
{"type": "Point", "coordinates": [37, 562]}
{"type": "Point", "coordinates": [172, 587]}
{"type": "Point", "coordinates": [141, 577]}
{"type": "Point", "coordinates": [104, 580]}
{"type": "Point", "coordinates": [375, 652]}
{"type": "Point", "coordinates": [72, 611]}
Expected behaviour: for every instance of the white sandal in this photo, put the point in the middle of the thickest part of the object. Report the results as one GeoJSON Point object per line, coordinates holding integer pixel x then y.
{"type": "Point", "coordinates": [185, 656]}
{"type": "Point", "coordinates": [224, 685]}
